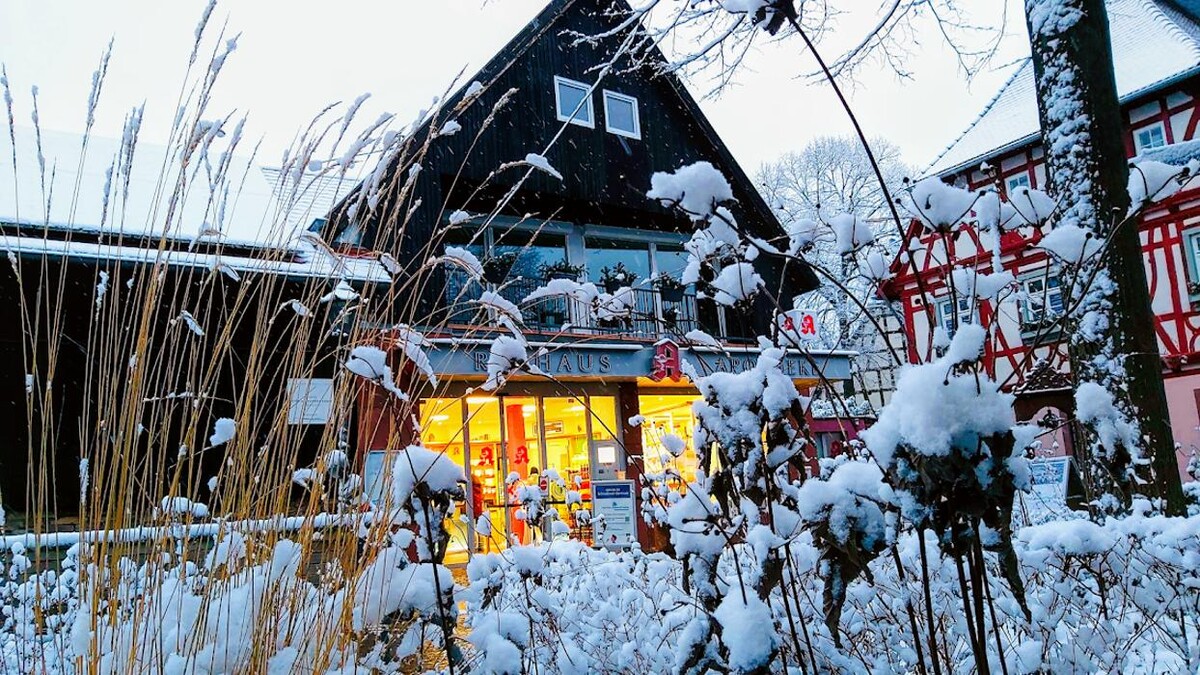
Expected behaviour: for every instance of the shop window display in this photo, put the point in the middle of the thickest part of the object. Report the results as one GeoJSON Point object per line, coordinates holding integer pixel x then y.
{"type": "Point", "coordinates": [668, 438]}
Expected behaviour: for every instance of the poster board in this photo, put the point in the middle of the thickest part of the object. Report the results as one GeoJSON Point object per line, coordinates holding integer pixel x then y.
{"type": "Point", "coordinates": [1049, 475]}
{"type": "Point", "coordinates": [614, 501]}
{"type": "Point", "coordinates": [1055, 490]}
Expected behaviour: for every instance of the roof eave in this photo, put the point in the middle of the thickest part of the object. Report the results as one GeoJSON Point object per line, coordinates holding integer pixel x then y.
{"type": "Point", "coordinates": [1029, 138]}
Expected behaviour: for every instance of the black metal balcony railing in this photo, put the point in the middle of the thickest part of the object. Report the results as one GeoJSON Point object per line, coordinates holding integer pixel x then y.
{"type": "Point", "coordinates": [652, 316]}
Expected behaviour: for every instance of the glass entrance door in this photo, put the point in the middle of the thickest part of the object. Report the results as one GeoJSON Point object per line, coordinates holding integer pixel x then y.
{"type": "Point", "coordinates": [442, 431]}
{"type": "Point", "coordinates": [487, 472]}
{"type": "Point", "coordinates": [506, 452]}
{"type": "Point", "coordinates": [523, 454]}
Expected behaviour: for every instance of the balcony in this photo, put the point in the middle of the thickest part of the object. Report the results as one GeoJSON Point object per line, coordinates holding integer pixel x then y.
{"type": "Point", "coordinates": [653, 317]}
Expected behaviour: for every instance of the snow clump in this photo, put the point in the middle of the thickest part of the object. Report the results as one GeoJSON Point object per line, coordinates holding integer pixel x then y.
{"type": "Point", "coordinates": [697, 188]}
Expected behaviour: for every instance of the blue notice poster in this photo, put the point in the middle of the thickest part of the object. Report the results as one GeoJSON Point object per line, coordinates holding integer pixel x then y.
{"type": "Point", "coordinates": [612, 500]}
{"type": "Point", "coordinates": [1051, 473]}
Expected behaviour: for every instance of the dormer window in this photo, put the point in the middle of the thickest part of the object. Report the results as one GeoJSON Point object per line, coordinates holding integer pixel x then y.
{"type": "Point", "coordinates": [621, 115]}
{"type": "Point", "coordinates": [1149, 138]}
{"type": "Point", "coordinates": [574, 102]}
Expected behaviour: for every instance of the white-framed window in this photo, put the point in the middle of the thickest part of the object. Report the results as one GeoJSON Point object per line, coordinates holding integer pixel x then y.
{"type": "Point", "coordinates": [310, 400]}
{"type": "Point", "coordinates": [621, 115]}
{"type": "Point", "coordinates": [573, 102]}
{"type": "Point", "coordinates": [946, 314]}
{"type": "Point", "coordinates": [1192, 246]}
{"type": "Point", "coordinates": [1149, 138]}
{"type": "Point", "coordinates": [1043, 298]}
{"type": "Point", "coordinates": [1017, 181]}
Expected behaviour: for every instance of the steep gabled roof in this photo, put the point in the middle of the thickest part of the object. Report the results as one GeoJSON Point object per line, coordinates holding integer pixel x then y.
{"type": "Point", "coordinates": [536, 30]}
{"type": "Point", "coordinates": [1155, 43]}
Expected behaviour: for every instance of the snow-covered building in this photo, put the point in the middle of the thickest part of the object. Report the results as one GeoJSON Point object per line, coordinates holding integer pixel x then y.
{"type": "Point", "coordinates": [1156, 51]}
{"type": "Point", "coordinates": [104, 234]}
{"type": "Point", "coordinates": [540, 167]}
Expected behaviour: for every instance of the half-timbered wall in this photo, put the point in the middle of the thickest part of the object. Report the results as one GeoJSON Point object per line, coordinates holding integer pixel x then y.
{"type": "Point", "coordinates": [1171, 271]}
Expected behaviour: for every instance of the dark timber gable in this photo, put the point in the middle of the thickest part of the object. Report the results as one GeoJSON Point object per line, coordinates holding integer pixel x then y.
{"type": "Point", "coordinates": [606, 176]}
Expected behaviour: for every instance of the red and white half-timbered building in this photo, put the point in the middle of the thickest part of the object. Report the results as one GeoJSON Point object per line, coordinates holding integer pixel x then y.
{"type": "Point", "coordinates": [1156, 50]}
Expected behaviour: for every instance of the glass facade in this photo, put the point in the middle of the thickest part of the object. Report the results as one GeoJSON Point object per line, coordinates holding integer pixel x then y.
{"type": "Point", "coordinates": [655, 312]}
{"type": "Point", "coordinates": [557, 443]}
{"type": "Point", "coordinates": [566, 442]}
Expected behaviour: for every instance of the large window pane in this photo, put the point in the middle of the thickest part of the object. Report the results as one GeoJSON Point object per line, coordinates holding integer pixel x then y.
{"type": "Point", "coordinates": [667, 418]}
{"type": "Point", "coordinates": [460, 289]}
{"type": "Point", "coordinates": [487, 469]}
{"type": "Point", "coordinates": [671, 260]}
{"type": "Point", "coordinates": [533, 250]}
{"type": "Point", "coordinates": [567, 459]}
{"type": "Point", "coordinates": [601, 253]}
{"type": "Point", "coordinates": [442, 431]}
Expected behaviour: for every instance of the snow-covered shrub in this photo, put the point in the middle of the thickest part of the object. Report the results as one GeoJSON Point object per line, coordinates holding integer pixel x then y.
{"type": "Point", "coordinates": [845, 513]}
{"type": "Point", "coordinates": [566, 608]}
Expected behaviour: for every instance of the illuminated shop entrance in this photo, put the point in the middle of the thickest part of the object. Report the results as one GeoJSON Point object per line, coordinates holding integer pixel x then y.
{"type": "Point", "coordinates": [665, 416]}
{"type": "Point", "coordinates": [558, 443]}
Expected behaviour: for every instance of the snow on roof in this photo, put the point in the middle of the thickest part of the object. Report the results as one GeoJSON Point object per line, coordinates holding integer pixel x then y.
{"type": "Point", "coordinates": [76, 181]}
{"type": "Point", "coordinates": [255, 206]}
{"type": "Point", "coordinates": [258, 210]}
{"type": "Point", "coordinates": [307, 262]}
{"type": "Point", "coordinates": [309, 199]}
{"type": "Point", "coordinates": [1153, 44]}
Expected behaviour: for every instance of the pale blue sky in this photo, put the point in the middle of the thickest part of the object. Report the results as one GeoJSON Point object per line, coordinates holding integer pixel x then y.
{"type": "Point", "coordinates": [294, 57]}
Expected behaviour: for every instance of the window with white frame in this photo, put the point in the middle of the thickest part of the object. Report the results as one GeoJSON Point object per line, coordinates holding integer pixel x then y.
{"type": "Point", "coordinates": [573, 101]}
{"type": "Point", "coordinates": [947, 316]}
{"type": "Point", "coordinates": [1017, 181]}
{"type": "Point", "coordinates": [311, 400]}
{"type": "Point", "coordinates": [1193, 253]}
{"type": "Point", "coordinates": [1043, 298]}
{"type": "Point", "coordinates": [1149, 138]}
{"type": "Point", "coordinates": [621, 115]}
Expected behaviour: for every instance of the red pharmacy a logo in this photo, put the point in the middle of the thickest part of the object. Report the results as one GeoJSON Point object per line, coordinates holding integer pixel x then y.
{"type": "Point", "coordinates": [666, 362]}
{"type": "Point", "coordinates": [808, 324]}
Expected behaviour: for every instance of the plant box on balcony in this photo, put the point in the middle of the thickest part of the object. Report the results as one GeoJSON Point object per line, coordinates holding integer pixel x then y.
{"type": "Point", "coordinates": [671, 294]}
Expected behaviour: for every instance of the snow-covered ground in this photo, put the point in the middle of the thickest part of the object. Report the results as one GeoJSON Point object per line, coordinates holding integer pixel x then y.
{"type": "Point", "coordinates": [1119, 597]}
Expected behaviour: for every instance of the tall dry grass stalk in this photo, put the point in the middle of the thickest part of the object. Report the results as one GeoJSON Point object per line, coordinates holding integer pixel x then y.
{"type": "Point", "coordinates": [169, 350]}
